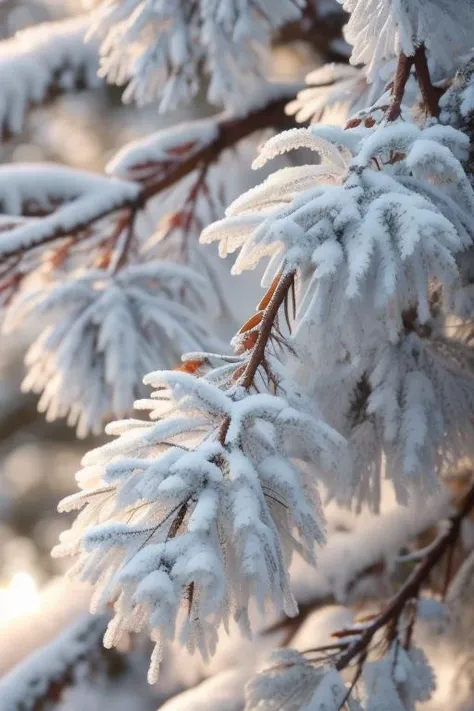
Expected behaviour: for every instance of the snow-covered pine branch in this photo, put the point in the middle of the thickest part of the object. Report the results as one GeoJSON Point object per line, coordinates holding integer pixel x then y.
{"type": "Point", "coordinates": [84, 198]}
{"type": "Point", "coordinates": [62, 201]}
{"type": "Point", "coordinates": [224, 39]}
{"type": "Point", "coordinates": [368, 229]}
{"type": "Point", "coordinates": [103, 331]}
{"type": "Point", "coordinates": [40, 62]}
{"type": "Point", "coordinates": [55, 206]}
{"type": "Point", "coordinates": [398, 677]}
{"type": "Point", "coordinates": [76, 232]}
{"type": "Point", "coordinates": [38, 682]}
{"type": "Point", "coordinates": [380, 30]}
{"type": "Point", "coordinates": [194, 514]}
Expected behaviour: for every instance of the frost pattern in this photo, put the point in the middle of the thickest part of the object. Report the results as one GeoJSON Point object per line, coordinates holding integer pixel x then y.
{"type": "Point", "coordinates": [381, 29]}
{"type": "Point", "coordinates": [105, 333]}
{"type": "Point", "coordinates": [399, 681]}
{"type": "Point", "coordinates": [48, 57]}
{"type": "Point", "coordinates": [226, 37]}
{"type": "Point", "coordinates": [182, 516]}
{"type": "Point", "coordinates": [370, 229]}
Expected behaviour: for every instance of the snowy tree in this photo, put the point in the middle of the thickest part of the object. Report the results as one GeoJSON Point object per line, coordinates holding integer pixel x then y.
{"type": "Point", "coordinates": [236, 467]}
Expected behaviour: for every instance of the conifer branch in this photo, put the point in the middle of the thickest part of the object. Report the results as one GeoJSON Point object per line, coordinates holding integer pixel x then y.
{"type": "Point", "coordinates": [271, 304]}
{"type": "Point", "coordinates": [399, 84]}
{"type": "Point", "coordinates": [430, 93]}
{"type": "Point", "coordinates": [230, 132]}
{"type": "Point", "coordinates": [411, 588]}
{"type": "Point", "coordinates": [277, 299]}
{"type": "Point", "coordinates": [39, 64]}
{"type": "Point", "coordinates": [38, 684]}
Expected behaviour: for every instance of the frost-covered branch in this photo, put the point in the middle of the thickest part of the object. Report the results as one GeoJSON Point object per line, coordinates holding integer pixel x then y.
{"type": "Point", "coordinates": [164, 160]}
{"type": "Point", "coordinates": [38, 682]}
{"type": "Point", "coordinates": [91, 228]}
{"type": "Point", "coordinates": [163, 52]}
{"type": "Point", "coordinates": [219, 494]}
{"type": "Point", "coordinates": [389, 671]}
{"type": "Point", "coordinates": [410, 590]}
{"type": "Point", "coordinates": [41, 62]}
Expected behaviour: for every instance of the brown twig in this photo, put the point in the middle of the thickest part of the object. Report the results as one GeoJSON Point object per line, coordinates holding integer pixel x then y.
{"type": "Point", "coordinates": [411, 588]}
{"type": "Point", "coordinates": [430, 93]}
{"type": "Point", "coordinates": [267, 315]}
{"type": "Point", "coordinates": [230, 132]}
{"type": "Point", "coordinates": [265, 330]}
{"type": "Point", "coordinates": [399, 84]}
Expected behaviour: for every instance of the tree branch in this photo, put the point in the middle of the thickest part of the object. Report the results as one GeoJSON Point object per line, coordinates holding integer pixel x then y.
{"type": "Point", "coordinates": [430, 94]}
{"type": "Point", "coordinates": [399, 84]}
{"type": "Point", "coordinates": [230, 132]}
{"type": "Point", "coordinates": [278, 296]}
{"type": "Point", "coordinates": [38, 682]}
{"type": "Point", "coordinates": [411, 588]}
{"type": "Point", "coordinates": [261, 333]}
{"type": "Point", "coordinates": [41, 62]}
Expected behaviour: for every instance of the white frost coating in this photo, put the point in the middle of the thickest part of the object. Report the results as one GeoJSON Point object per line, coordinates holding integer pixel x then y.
{"type": "Point", "coordinates": [86, 197]}
{"type": "Point", "coordinates": [398, 681]}
{"type": "Point", "coordinates": [182, 517]}
{"type": "Point", "coordinates": [168, 145]}
{"type": "Point", "coordinates": [332, 91]}
{"type": "Point", "coordinates": [295, 211]}
{"type": "Point", "coordinates": [368, 236]}
{"type": "Point", "coordinates": [292, 682]}
{"type": "Point", "coordinates": [372, 538]}
{"type": "Point", "coordinates": [381, 29]}
{"type": "Point", "coordinates": [28, 682]}
{"type": "Point", "coordinates": [105, 332]}
{"type": "Point", "coordinates": [42, 185]}
{"type": "Point", "coordinates": [36, 60]}
{"type": "Point", "coordinates": [223, 37]}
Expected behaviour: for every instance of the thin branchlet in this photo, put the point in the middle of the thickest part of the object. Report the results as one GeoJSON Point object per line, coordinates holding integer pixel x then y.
{"type": "Point", "coordinates": [411, 588]}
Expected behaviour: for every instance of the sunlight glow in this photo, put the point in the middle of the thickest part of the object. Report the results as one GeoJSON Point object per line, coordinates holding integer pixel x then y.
{"type": "Point", "coordinates": [19, 598]}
